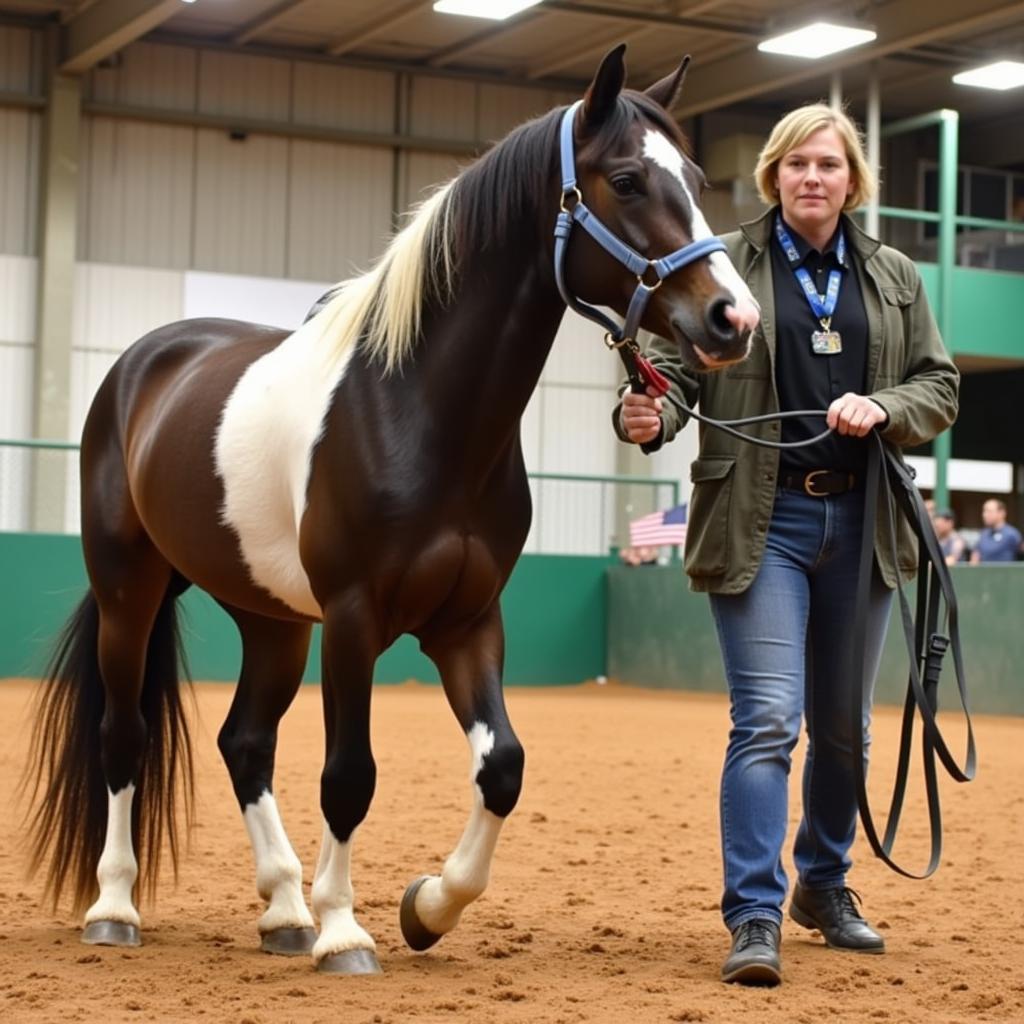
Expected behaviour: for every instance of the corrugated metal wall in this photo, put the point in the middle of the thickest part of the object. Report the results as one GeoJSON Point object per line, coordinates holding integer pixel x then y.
{"type": "Point", "coordinates": [158, 200]}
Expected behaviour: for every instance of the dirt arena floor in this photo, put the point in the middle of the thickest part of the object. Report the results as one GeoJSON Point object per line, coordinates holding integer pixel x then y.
{"type": "Point", "coordinates": [603, 905]}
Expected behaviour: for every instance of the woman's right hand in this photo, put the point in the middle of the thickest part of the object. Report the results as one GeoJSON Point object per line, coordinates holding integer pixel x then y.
{"type": "Point", "coordinates": [641, 416]}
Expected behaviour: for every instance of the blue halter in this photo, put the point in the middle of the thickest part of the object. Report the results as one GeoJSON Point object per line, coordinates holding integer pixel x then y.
{"type": "Point", "coordinates": [629, 257]}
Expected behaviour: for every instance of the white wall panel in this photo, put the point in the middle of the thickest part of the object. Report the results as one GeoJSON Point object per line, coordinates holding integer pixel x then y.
{"type": "Point", "coordinates": [16, 362]}
{"type": "Point", "coordinates": [18, 299]}
{"type": "Point", "coordinates": [87, 372]}
{"type": "Point", "coordinates": [258, 87]}
{"type": "Point", "coordinates": [344, 98]}
{"type": "Point", "coordinates": [18, 50]}
{"type": "Point", "coordinates": [577, 433]}
{"type": "Point", "coordinates": [503, 107]}
{"type": "Point", "coordinates": [422, 172]}
{"type": "Point", "coordinates": [339, 209]}
{"type": "Point", "coordinates": [241, 204]}
{"type": "Point", "coordinates": [115, 306]}
{"type": "Point", "coordinates": [580, 356]}
{"type": "Point", "coordinates": [148, 75]}
{"type": "Point", "coordinates": [135, 193]}
{"type": "Point", "coordinates": [260, 300]}
{"type": "Point", "coordinates": [443, 108]}
{"type": "Point", "coordinates": [19, 181]}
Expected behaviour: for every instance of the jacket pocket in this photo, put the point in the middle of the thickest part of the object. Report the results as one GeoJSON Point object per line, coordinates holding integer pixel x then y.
{"type": "Point", "coordinates": [897, 295]}
{"type": "Point", "coordinates": [707, 534]}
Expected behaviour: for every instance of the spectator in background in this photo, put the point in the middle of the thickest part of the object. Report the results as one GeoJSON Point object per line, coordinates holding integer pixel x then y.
{"type": "Point", "coordinates": [951, 543]}
{"type": "Point", "coordinates": [639, 556]}
{"type": "Point", "coordinates": [998, 542]}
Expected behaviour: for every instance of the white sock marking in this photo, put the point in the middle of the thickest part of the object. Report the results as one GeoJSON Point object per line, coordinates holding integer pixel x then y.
{"type": "Point", "coordinates": [441, 900]}
{"type": "Point", "coordinates": [117, 868]}
{"type": "Point", "coordinates": [278, 869]}
{"type": "Point", "coordinates": [334, 902]}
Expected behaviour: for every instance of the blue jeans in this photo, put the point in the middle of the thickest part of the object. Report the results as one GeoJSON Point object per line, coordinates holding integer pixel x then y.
{"type": "Point", "coordinates": [782, 642]}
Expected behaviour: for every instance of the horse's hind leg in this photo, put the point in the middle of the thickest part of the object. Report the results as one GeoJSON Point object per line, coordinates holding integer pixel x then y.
{"type": "Point", "coordinates": [273, 657]}
{"type": "Point", "coordinates": [130, 581]}
{"type": "Point", "coordinates": [470, 664]}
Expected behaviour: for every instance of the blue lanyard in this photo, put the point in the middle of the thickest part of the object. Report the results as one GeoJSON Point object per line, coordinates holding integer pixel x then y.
{"type": "Point", "coordinates": [823, 306]}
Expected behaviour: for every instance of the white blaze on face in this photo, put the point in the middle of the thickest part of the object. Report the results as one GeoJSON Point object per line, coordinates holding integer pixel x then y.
{"type": "Point", "coordinates": [659, 150]}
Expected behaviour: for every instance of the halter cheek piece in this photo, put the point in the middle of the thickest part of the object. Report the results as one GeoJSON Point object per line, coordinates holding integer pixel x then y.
{"type": "Point", "coordinates": [578, 212]}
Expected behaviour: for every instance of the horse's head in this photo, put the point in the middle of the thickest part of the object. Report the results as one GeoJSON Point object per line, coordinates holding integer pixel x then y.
{"type": "Point", "coordinates": [634, 174]}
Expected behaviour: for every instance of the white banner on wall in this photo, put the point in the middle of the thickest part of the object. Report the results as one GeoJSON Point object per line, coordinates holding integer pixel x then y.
{"type": "Point", "coordinates": [260, 300]}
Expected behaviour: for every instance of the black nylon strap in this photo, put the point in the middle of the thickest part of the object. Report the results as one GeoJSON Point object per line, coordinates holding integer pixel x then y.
{"type": "Point", "coordinates": [925, 648]}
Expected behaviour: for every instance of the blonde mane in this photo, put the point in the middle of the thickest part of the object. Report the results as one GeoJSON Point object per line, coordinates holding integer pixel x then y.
{"type": "Point", "coordinates": [382, 309]}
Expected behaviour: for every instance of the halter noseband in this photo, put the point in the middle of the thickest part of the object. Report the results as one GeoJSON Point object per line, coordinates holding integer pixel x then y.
{"type": "Point", "coordinates": [581, 214]}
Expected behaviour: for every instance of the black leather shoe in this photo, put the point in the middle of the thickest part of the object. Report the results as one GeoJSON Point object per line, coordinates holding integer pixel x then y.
{"type": "Point", "coordinates": [754, 957]}
{"type": "Point", "coordinates": [834, 913]}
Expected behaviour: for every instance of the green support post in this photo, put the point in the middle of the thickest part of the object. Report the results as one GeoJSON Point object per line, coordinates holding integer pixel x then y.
{"type": "Point", "coordinates": [949, 122]}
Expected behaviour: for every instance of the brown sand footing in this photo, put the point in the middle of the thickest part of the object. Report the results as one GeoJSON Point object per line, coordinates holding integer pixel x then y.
{"type": "Point", "coordinates": [603, 904]}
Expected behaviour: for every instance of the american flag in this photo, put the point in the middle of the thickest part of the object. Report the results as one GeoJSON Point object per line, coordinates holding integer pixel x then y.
{"type": "Point", "coordinates": [667, 527]}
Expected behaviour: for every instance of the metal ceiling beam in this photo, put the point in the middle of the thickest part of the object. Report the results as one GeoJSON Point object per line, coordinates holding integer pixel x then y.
{"type": "Point", "coordinates": [598, 45]}
{"type": "Point", "coordinates": [900, 24]}
{"type": "Point", "coordinates": [448, 54]}
{"type": "Point", "coordinates": [724, 28]}
{"type": "Point", "coordinates": [393, 17]}
{"type": "Point", "coordinates": [105, 27]}
{"type": "Point", "coordinates": [268, 19]}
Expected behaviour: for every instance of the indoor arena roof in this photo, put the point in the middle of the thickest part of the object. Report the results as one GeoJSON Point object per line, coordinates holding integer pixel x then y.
{"type": "Point", "coordinates": [920, 44]}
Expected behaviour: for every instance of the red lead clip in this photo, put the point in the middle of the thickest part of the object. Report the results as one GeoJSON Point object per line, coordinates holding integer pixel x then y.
{"type": "Point", "coordinates": [651, 377]}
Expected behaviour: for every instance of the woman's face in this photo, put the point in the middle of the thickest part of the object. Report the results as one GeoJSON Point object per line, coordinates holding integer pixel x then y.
{"type": "Point", "coordinates": [814, 182]}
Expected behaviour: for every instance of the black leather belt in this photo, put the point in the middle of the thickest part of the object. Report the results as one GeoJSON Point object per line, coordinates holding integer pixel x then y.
{"type": "Point", "coordinates": [819, 483]}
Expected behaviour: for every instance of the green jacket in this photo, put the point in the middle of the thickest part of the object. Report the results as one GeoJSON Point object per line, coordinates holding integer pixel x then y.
{"type": "Point", "coordinates": [910, 375]}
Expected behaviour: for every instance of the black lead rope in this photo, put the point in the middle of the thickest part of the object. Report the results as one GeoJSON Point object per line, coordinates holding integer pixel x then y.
{"type": "Point", "coordinates": [926, 645]}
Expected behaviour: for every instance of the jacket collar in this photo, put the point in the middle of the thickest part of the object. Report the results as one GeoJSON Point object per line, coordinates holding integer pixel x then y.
{"type": "Point", "coordinates": [759, 232]}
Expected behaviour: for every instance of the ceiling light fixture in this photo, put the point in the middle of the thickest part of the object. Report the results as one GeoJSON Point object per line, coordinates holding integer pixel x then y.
{"type": "Point", "coordinates": [496, 10]}
{"type": "Point", "coordinates": [817, 40]}
{"type": "Point", "coordinates": [1004, 74]}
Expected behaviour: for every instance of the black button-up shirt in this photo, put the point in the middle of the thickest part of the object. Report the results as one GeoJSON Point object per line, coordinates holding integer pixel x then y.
{"type": "Point", "coordinates": [808, 381]}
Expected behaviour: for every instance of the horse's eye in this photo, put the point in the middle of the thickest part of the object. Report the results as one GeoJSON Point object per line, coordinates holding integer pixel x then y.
{"type": "Point", "coordinates": [625, 185]}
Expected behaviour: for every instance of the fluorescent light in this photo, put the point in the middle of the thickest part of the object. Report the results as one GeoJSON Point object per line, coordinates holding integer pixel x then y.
{"type": "Point", "coordinates": [817, 40]}
{"type": "Point", "coordinates": [496, 10]}
{"type": "Point", "coordinates": [1004, 74]}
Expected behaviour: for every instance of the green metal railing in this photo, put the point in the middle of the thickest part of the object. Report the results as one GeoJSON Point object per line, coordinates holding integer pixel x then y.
{"type": "Point", "coordinates": [948, 221]}
{"type": "Point", "coordinates": [573, 513]}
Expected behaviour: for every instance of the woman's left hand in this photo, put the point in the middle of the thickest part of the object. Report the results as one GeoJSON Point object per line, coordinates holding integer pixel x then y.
{"type": "Point", "coordinates": [855, 415]}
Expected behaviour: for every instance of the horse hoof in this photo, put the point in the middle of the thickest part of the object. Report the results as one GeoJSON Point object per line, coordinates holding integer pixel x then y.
{"type": "Point", "coordinates": [351, 961]}
{"type": "Point", "coordinates": [111, 933]}
{"type": "Point", "coordinates": [288, 941]}
{"type": "Point", "coordinates": [415, 933]}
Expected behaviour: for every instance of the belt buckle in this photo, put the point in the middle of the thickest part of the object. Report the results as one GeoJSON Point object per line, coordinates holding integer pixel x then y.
{"type": "Point", "coordinates": [808, 484]}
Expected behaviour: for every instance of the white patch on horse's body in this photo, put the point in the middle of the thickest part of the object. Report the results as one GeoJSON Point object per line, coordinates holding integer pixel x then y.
{"type": "Point", "coordinates": [264, 447]}
{"type": "Point", "coordinates": [334, 901]}
{"type": "Point", "coordinates": [441, 900]}
{"type": "Point", "coordinates": [278, 869]}
{"type": "Point", "coordinates": [117, 868]}
{"type": "Point", "coordinates": [661, 151]}
{"type": "Point", "coordinates": [275, 414]}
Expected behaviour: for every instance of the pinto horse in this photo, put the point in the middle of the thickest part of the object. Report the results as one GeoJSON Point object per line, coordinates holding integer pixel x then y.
{"type": "Point", "coordinates": [364, 471]}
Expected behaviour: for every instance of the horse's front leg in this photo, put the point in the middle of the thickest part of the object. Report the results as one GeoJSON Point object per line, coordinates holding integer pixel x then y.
{"type": "Point", "coordinates": [346, 785]}
{"type": "Point", "coordinates": [273, 658]}
{"type": "Point", "coordinates": [470, 663]}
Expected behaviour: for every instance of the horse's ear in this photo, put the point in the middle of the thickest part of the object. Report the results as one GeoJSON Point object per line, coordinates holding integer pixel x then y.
{"type": "Point", "coordinates": [666, 92]}
{"type": "Point", "coordinates": [604, 90]}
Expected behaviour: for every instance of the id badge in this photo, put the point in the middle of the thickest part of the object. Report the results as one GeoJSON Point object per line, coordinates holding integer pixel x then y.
{"type": "Point", "coordinates": [826, 343]}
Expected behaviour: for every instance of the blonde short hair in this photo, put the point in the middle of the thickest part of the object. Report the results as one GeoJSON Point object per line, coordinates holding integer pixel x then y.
{"type": "Point", "coordinates": [795, 129]}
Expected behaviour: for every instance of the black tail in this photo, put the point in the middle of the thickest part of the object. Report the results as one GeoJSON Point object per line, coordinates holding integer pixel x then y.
{"type": "Point", "coordinates": [69, 824]}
